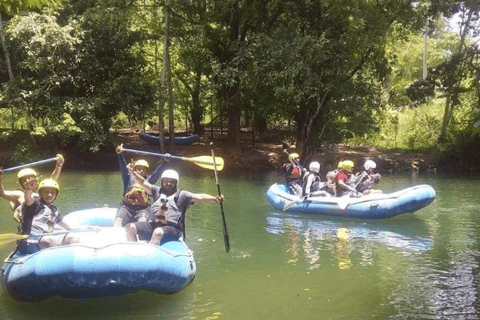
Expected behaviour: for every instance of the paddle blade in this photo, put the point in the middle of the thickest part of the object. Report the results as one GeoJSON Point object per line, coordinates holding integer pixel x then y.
{"type": "Point", "coordinates": [207, 162]}
{"type": "Point", "coordinates": [343, 202]}
{"type": "Point", "coordinates": [7, 238]}
{"type": "Point", "coordinates": [290, 204]}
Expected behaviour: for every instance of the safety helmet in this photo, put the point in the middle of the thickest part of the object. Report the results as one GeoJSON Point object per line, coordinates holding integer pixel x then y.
{"type": "Point", "coordinates": [293, 156]}
{"type": "Point", "coordinates": [48, 183]}
{"type": "Point", "coordinates": [370, 164]}
{"type": "Point", "coordinates": [170, 174]}
{"type": "Point", "coordinates": [26, 172]}
{"type": "Point", "coordinates": [346, 165]}
{"type": "Point", "coordinates": [142, 163]}
{"type": "Point", "coordinates": [314, 166]}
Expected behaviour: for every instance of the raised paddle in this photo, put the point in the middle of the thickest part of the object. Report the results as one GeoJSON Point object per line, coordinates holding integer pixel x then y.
{"type": "Point", "coordinates": [295, 160]}
{"type": "Point", "coordinates": [206, 162]}
{"type": "Point", "coordinates": [225, 231]}
{"type": "Point", "coordinates": [29, 165]}
{"type": "Point", "coordinates": [7, 238]}
{"type": "Point", "coordinates": [290, 204]}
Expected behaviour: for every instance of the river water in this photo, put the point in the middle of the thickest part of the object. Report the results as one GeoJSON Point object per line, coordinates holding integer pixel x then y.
{"type": "Point", "coordinates": [423, 265]}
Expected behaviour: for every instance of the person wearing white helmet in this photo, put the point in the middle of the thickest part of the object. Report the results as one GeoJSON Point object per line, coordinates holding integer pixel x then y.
{"type": "Point", "coordinates": [167, 217]}
{"type": "Point", "coordinates": [311, 178]}
{"type": "Point", "coordinates": [41, 216]}
{"type": "Point", "coordinates": [17, 197]}
{"type": "Point", "coordinates": [135, 199]}
{"type": "Point", "coordinates": [365, 180]}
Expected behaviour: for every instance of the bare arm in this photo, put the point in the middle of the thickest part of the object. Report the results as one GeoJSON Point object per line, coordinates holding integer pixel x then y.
{"type": "Point", "coordinates": [203, 197]}
{"type": "Point", "coordinates": [28, 193]}
{"type": "Point", "coordinates": [138, 178]}
{"type": "Point", "coordinates": [58, 166]}
{"type": "Point", "coordinates": [64, 225]}
{"type": "Point", "coordinates": [15, 197]}
{"type": "Point", "coordinates": [346, 186]}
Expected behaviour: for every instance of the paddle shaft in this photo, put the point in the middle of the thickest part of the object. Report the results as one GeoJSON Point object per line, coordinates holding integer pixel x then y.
{"type": "Point", "coordinates": [202, 161]}
{"type": "Point", "coordinates": [8, 238]}
{"type": "Point", "coordinates": [152, 154]}
{"type": "Point", "coordinates": [226, 239]}
{"type": "Point", "coordinates": [29, 165]}
{"type": "Point", "coordinates": [295, 160]}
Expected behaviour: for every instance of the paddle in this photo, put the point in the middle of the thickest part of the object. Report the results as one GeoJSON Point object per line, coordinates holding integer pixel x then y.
{"type": "Point", "coordinates": [302, 199]}
{"type": "Point", "coordinates": [29, 165]}
{"type": "Point", "coordinates": [206, 162]}
{"type": "Point", "coordinates": [295, 160]}
{"type": "Point", "coordinates": [7, 238]}
{"type": "Point", "coordinates": [225, 232]}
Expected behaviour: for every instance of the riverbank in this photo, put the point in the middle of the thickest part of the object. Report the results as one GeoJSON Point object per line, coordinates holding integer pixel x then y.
{"type": "Point", "coordinates": [259, 153]}
{"type": "Point", "coordinates": [265, 152]}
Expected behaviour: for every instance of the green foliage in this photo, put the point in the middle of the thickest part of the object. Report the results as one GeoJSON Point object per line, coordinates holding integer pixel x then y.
{"type": "Point", "coordinates": [81, 65]}
{"type": "Point", "coordinates": [13, 6]}
{"type": "Point", "coordinates": [25, 151]}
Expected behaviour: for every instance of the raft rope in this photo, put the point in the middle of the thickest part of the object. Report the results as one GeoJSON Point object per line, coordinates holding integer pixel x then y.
{"type": "Point", "coordinates": [22, 260]}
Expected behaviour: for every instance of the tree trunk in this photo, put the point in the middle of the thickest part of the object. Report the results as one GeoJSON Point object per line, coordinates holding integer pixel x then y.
{"type": "Point", "coordinates": [7, 61]}
{"type": "Point", "coordinates": [233, 114]}
{"type": "Point", "coordinates": [163, 91]}
{"type": "Point", "coordinates": [197, 110]}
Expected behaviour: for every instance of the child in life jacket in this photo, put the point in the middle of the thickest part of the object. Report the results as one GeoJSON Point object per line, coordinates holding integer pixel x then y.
{"type": "Point", "coordinates": [313, 185]}
{"type": "Point", "coordinates": [293, 174]}
{"type": "Point", "coordinates": [16, 197]}
{"type": "Point", "coordinates": [344, 179]}
{"type": "Point", "coordinates": [135, 199]}
{"type": "Point", "coordinates": [41, 216]}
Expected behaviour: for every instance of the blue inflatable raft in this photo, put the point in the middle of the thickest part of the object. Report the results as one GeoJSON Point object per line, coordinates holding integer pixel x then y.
{"type": "Point", "coordinates": [179, 141]}
{"type": "Point", "coordinates": [374, 206]}
{"type": "Point", "coordinates": [103, 263]}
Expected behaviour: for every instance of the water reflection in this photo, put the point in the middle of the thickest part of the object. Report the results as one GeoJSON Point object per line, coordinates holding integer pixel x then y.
{"type": "Point", "coordinates": [344, 239]}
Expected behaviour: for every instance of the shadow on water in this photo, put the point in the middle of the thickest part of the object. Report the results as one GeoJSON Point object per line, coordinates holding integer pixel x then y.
{"type": "Point", "coordinates": [142, 305]}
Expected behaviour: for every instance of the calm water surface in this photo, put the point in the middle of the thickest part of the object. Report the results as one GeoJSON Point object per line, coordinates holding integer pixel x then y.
{"type": "Point", "coordinates": [423, 265]}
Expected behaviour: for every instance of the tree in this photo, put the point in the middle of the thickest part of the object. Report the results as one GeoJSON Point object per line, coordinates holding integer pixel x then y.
{"type": "Point", "coordinates": [85, 64]}
{"type": "Point", "coordinates": [326, 63]}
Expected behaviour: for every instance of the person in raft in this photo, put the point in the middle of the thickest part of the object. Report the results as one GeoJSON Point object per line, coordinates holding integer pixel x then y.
{"type": "Point", "coordinates": [167, 219]}
{"type": "Point", "coordinates": [293, 174]}
{"type": "Point", "coordinates": [135, 199]}
{"type": "Point", "coordinates": [366, 179]}
{"type": "Point", "coordinates": [41, 216]}
{"type": "Point", "coordinates": [343, 180]}
{"type": "Point", "coordinates": [16, 197]}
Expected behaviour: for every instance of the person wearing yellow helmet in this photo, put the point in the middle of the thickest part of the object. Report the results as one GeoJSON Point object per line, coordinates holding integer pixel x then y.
{"type": "Point", "coordinates": [167, 214]}
{"type": "Point", "coordinates": [344, 179]}
{"type": "Point", "coordinates": [135, 200]}
{"type": "Point", "coordinates": [16, 197]}
{"type": "Point", "coordinates": [41, 216]}
{"type": "Point", "coordinates": [293, 173]}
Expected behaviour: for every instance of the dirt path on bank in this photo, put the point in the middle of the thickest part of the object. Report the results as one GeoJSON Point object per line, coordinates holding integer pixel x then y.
{"type": "Point", "coordinates": [264, 152]}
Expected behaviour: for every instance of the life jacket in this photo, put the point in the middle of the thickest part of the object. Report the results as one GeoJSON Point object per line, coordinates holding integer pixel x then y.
{"type": "Point", "coordinates": [295, 173]}
{"type": "Point", "coordinates": [315, 183]}
{"type": "Point", "coordinates": [349, 181]}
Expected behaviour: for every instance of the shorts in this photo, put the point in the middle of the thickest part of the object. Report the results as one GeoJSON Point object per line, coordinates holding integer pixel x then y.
{"type": "Point", "coordinates": [131, 214]}
{"type": "Point", "coordinates": [145, 231]}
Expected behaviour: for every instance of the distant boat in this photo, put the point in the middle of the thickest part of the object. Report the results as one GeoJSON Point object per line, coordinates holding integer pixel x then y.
{"type": "Point", "coordinates": [179, 141]}
{"type": "Point", "coordinates": [374, 206]}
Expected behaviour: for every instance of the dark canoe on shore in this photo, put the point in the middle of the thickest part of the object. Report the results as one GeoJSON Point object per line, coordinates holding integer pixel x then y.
{"type": "Point", "coordinates": [179, 141]}
{"type": "Point", "coordinates": [102, 263]}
